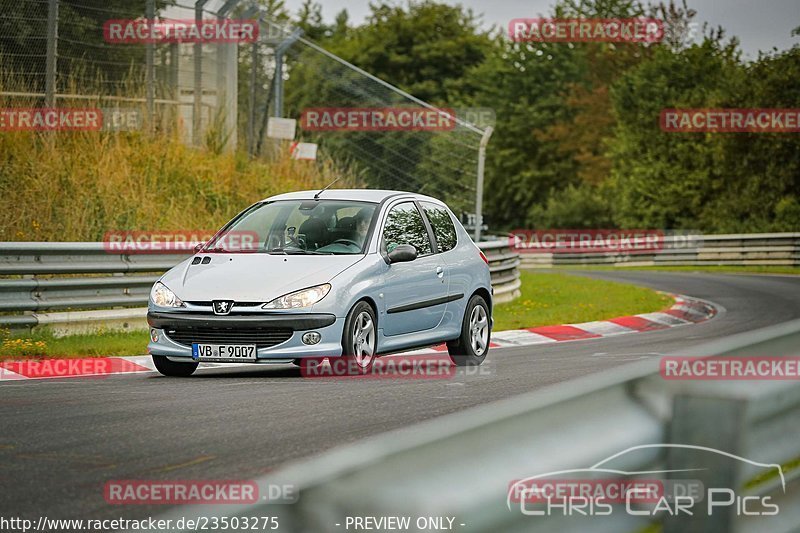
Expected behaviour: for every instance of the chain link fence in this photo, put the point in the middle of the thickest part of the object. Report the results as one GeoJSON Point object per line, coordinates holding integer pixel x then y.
{"type": "Point", "coordinates": [61, 53]}
{"type": "Point", "coordinates": [441, 160]}
{"type": "Point", "coordinates": [57, 53]}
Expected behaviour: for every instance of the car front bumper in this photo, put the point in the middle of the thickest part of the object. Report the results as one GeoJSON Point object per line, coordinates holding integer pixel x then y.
{"type": "Point", "coordinates": [327, 325]}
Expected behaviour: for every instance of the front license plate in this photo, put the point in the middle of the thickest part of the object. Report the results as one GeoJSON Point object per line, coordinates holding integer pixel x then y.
{"type": "Point", "coordinates": [224, 353]}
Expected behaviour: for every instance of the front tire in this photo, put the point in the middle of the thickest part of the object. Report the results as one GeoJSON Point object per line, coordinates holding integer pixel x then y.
{"type": "Point", "coordinates": [360, 338]}
{"type": "Point", "coordinates": [472, 345]}
{"type": "Point", "coordinates": [173, 369]}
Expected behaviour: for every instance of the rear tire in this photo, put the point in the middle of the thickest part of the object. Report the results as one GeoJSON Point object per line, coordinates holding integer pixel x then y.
{"type": "Point", "coordinates": [360, 339]}
{"type": "Point", "coordinates": [173, 369]}
{"type": "Point", "coordinates": [472, 345]}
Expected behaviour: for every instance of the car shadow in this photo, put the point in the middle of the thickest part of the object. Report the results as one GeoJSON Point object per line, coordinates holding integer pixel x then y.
{"type": "Point", "coordinates": [276, 371]}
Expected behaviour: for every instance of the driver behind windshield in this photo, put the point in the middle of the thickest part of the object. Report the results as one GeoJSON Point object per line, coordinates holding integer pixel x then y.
{"type": "Point", "coordinates": [354, 242]}
{"type": "Point", "coordinates": [362, 226]}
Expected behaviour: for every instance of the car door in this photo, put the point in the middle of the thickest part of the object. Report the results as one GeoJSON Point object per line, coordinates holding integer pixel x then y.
{"type": "Point", "coordinates": [415, 292]}
{"type": "Point", "coordinates": [457, 265]}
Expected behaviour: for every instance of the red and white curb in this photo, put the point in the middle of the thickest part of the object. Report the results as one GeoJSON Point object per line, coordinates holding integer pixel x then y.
{"type": "Point", "coordinates": [87, 367]}
{"type": "Point", "coordinates": [684, 311]}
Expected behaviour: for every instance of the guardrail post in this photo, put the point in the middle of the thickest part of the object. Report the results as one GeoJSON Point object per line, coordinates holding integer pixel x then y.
{"type": "Point", "coordinates": [712, 422]}
{"type": "Point", "coordinates": [503, 263]}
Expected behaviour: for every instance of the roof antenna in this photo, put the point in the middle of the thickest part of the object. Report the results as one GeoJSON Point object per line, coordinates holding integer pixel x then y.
{"type": "Point", "coordinates": [316, 196]}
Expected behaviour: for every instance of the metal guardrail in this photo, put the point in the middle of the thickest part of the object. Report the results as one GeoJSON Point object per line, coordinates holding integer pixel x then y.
{"type": "Point", "coordinates": [757, 249]}
{"type": "Point", "coordinates": [503, 264]}
{"type": "Point", "coordinates": [62, 283]}
{"type": "Point", "coordinates": [461, 465]}
{"type": "Point", "coordinates": [53, 282]}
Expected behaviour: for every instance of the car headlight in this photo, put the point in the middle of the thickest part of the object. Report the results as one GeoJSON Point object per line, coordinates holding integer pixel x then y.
{"type": "Point", "coordinates": [161, 296]}
{"type": "Point", "coordinates": [301, 298]}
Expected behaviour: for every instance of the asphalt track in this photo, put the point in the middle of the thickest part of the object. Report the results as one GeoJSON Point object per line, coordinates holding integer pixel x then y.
{"type": "Point", "coordinates": [61, 440]}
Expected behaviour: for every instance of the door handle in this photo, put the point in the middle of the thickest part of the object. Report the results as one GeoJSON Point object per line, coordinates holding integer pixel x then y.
{"type": "Point", "coordinates": [439, 271]}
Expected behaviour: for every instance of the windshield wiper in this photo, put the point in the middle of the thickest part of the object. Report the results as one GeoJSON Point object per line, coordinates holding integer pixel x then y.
{"type": "Point", "coordinates": [297, 251]}
{"type": "Point", "coordinates": [288, 251]}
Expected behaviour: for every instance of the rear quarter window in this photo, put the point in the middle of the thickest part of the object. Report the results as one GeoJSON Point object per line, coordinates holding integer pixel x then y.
{"type": "Point", "coordinates": [442, 225]}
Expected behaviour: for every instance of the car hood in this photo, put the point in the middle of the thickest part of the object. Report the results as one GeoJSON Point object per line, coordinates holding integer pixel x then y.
{"type": "Point", "coordinates": [245, 277]}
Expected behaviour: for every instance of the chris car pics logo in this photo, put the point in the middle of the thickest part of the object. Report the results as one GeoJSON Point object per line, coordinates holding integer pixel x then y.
{"type": "Point", "coordinates": [601, 490]}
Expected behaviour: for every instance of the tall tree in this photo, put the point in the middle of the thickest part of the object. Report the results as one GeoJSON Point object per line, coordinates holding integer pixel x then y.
{"type": "Point", "coordinates": [663, 179]}
{"type": "Point", "coordinates": [554, 116]}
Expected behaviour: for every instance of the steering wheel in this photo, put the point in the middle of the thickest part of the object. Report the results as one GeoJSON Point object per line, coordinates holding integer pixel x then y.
{"type": "Point", "coordinates": [347, 241]}
{"type": "Point", "coordinates": [295, 241]}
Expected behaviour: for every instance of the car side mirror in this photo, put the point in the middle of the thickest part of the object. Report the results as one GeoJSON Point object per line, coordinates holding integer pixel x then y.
{"type": "Point", "coordinates": [198, 246]}
{"type": "Point", "coordinates": [402, 253]}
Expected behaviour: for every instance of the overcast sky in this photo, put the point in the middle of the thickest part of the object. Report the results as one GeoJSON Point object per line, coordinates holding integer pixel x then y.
{"type": "Point", "coordinates": [759, 24]}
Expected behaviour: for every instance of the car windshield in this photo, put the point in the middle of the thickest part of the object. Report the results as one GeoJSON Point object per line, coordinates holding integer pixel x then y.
{"type": "Point", "coordinates": [314, 227]}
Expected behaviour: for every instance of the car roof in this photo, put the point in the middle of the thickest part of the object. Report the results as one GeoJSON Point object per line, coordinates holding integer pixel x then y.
{"type": "Point", "coordinates": [364, 195]}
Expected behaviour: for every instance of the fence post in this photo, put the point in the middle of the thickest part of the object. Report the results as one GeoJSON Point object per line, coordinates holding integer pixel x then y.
{"type": "Point", "coordinates": [280, 51]}
{"type": "Point", "coordinates": [251, 104]}
{"type": "Point", "coordinates": [479, 185]}
{"type": "Point", "coordinates": [52, 51]}
{"type": "Point", "coordinates": [198, 75]}
{"type": "Point", "coordinates": [174, 81]}
{"type": "Point", "coordinates": [226, 79]}
{"type": "Point", "coordinates": [277, 110]}
{"type": "Point", "coordinates": [150, 92]}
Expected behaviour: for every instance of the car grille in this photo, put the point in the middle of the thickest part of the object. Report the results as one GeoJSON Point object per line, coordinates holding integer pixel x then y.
{"type": "Point", "coordinates": [207, 303]}
{"type": "Point", "coordinates": [261, 337]}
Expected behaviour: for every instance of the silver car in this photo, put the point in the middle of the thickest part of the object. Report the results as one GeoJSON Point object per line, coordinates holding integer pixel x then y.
{"type": "Point", "coordinates": [337, 273]}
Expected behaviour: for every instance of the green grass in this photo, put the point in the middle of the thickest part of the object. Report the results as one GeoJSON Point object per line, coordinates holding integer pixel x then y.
{"type": "Point", "coordinates": [721, 269]}
{"type": "Point", "coordinates": [557, 298]}
{"type": "Point", "coordinates": [547, 298]}
{"type": "Point", "coordinates": [80, 186]}
{"type": "Point", "coordinates": [45, 344]}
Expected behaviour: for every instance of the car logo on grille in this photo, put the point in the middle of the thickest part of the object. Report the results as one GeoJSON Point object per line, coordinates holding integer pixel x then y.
{"type": "Point", "coordinates": [222, 307]}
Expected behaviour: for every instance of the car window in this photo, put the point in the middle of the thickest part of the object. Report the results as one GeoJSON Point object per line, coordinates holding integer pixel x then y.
{"type": "Point", "coordinates": [255, 223]}
{"type": "Point", "coordinates": [442, 224]}
{"type": "Point", "coordinates": [303, 226]}
{"type": "Point", "coordinates": [404, 225]}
